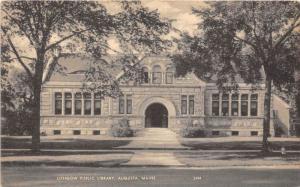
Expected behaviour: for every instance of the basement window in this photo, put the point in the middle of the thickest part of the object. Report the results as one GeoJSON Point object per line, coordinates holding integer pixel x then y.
{"type": "Point", "coordinates": [56, 132]}
{"type": "Point", "coordinates": [234, 133]}
{"type": "Point", "coordinates": [76, 132]}
{"type": "Point", "coordinates": [96, 132]}
{"type": "Point", "coordinates": [215, 133]}
{"type": "Point", "coordinates": [254, 133]}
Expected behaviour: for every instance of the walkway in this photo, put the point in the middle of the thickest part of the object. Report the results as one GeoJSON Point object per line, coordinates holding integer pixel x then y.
{"type": "Point", "coordinates": [156, 139]}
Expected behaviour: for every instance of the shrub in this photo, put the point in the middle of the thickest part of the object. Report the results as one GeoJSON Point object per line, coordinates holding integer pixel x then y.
{"type": "Point", "coordinates": [121, 128]}
{"type": "Point", "coordinates": [191, 131]}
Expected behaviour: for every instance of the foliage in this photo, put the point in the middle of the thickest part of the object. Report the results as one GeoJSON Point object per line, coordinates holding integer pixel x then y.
{"type": "Point", "coordinates": [191, 131]}
{"type": "Point", "coordinates": [121, 128]}
{"type": "Point", "coordinates": [52, 27]}
{"type": "Point", "coordinates": [244, 39]}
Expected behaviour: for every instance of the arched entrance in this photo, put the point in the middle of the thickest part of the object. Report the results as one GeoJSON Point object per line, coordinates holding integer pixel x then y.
{"type": "Point", "coordinates": [156, 116]}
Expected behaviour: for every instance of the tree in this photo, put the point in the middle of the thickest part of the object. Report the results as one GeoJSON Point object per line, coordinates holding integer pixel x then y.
{"type": "Point", "coordinates": [77, 26]}
{"type": "Point", "coordinates": [243, 38]}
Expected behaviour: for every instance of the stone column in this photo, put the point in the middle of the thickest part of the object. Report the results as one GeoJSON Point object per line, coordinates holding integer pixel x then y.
{"type": "Point", "coordinates": [92, 104]}
{"type": "Point", "coordinates": [73, 103]}
{"type": "Point", "coordinates": [82, 104]}
{"type": "Point", "coordinates": [63, 103]}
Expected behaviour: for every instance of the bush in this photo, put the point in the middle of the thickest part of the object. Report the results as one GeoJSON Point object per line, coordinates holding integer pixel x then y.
{"type": "Point", "coordinates": [121, 129]}
{"type": "Point", "coordinates": [191, 131]}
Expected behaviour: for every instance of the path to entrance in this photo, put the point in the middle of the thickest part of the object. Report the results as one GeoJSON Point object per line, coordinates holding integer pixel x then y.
{"type": "Point", "coordinates": [155, 138]}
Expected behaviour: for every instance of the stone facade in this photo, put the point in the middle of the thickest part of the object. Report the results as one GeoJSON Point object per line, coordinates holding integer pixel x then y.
{"type": "Point", "coordinates": [169, 95]}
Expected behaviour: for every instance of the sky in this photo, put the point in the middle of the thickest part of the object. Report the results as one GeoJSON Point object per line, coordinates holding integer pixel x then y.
{"type": "Point", "coordinates": [180, 12]}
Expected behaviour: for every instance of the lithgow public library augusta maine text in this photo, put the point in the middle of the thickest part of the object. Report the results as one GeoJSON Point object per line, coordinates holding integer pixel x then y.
{"type": "Point", "coordinates": [161, 101]}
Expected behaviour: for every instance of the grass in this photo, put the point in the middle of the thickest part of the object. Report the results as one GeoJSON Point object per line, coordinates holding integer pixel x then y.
{"type": "Point", "coordinates": [224, 144]}
{"type": "Point", "coordinates": [219, 159]}
{"type": "Point", "coordinates": [65, 143]}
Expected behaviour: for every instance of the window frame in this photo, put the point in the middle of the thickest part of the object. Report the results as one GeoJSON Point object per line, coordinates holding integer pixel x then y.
{"type": "Point", "coordinates": [184, 104]}
{"type": "Point", "coordinates": [244, 106]}
{"type": "Point", "coordinates": [254, 102]}
{"type": "Point", "coordinates": [85, 101]}
{"type": "Point", "coordinates": [60, 99]}
{"type": "Point", "coordinates": [235, 110]}
{"type": "Point", "coordinates": [68, 111]}
{"type": "Point", "coordinates": [214, 100]}
{"type": "Point", "coordinates": [97, 99]}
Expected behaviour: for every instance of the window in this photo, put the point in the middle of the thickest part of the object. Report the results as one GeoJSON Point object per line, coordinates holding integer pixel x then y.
{"type": "Point", "coordinates": [183, 104]}
{"type": "Point", "coordinates": [191, 104]}
{"type": "Point", "coordinates": [121, 105]}
{"type": "Point", "coordinates": [56, 132]}
{"type": "Point", "coordinates": [234, 133]}
{"type": "Point", "coordinates": [96, 132]}
{"type": "Point", "coordinates": [58, 103]}
{"type": "Point", "coordinates": [225, 105]}
{"type": "Point", "coordinates": [234, 104]}
{"type": "Point", "coordinates": [244, 103]}
{"type": "Point", "coordinates": [87, 103]}
{"type": "Point", "coordinates": [97, 104]}
{"type": "Point", "coordinates": [68, 103]}
{"type": "Point", "coordinates": [215, 133]}
{"type": "Point", "coordinates": [78, 103]}
{"type": "Point", "coordinates": [253, 105]}
{"type": "Point", "coordinates": [254, 133]}
{"type": "Point", "coordinates": [145, 75]}
{"type": "Point", "coordinates": [169, 75]}
{"type": "Point", "coordinates": [215, 104]}
{"type": "Point", "coordinates": [156, 77]}
{"type": "Point", "coordinates": [76, 132]}
{"type": "Point", "coordinates": [128, 104]}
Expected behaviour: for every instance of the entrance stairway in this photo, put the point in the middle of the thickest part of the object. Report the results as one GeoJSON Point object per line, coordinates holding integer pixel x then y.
{"type": "Point", "coordinates": [155, 138]}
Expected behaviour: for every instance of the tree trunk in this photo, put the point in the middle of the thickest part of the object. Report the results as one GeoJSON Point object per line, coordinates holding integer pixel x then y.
{"type": "Point", "coordinates": [37, 85]}
{"type": "Point", "coordinates": [267, 115]}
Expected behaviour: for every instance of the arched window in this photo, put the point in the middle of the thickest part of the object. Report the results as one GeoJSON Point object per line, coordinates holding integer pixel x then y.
{"type": "Point", "coordinates": [145, 75]}
{"type": "Point", "coordinates": [156, 77]}
{"type": "Point", "coordinates": [169, 75]}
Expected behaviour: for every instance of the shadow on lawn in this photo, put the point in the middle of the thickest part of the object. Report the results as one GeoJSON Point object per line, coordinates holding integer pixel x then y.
{"type": "Point", "coordinates": [239, 156]}
{"type": "Point", "coordinates": [70, 143]}
{"type": "Point", "coordinates": [240, 145]}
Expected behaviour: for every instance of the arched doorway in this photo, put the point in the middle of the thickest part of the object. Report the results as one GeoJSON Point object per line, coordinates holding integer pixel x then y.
{"type": "Point", "coordinates": [156, 116]}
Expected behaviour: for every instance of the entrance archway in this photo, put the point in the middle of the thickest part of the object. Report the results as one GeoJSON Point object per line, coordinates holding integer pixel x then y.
{"type": "Point", "coordinates": [156, 116]}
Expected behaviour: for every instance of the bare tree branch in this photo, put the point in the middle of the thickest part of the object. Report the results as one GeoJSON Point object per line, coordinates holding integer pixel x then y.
{"type": "Point", "coordinates": [17, 55]}
{"type": "Point", "coordinates": [65, 38]}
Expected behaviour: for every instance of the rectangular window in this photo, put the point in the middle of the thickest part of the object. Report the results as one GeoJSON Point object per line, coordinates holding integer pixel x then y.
{"type": "Point", "coordinates": [146, 77]}
{"type": "Point", "coordinates": [244, 103]}
{"type": "Point", "coordinates": [56, 132]}
{"type": "Point", "coordinates": [253, 105]}
{"type": "Point", "coordinates": [169, 78]}
{"type": "Point", "coordinates": [225, 105]}
{"type": "Point", "coordinates": [78, 104]}
{"type": "Point", "coordinates": [68, 103]}
{"type": "Point", "coordinates": [76, 132]}
{"type": "Point", "coordinates": [128, 104]}
{"type": "Point", "coordinates": [215, 133]}
{"type": "Point", "coordinates": [183, 104]}
{"type": "Point", "coordinates": [254, 133]}
{"type": "Point", "coordinates": [97, 104]}
{"type": "Point", "coordinates": [234, 133]}
{"type": "Point", "coordinates": [58, 103]}
{"type": "Point", "coordinates": [234, 104]}
{"type": "Point", "coordinates": [121, 105]}
{"type": "Point", "coordinates": [191, 104]}
{"type": "Point", "coordinates": [156, 79]}
{"type": "Point", "coordinates": [87, 103]}
{"type": "Point", "coordinates": [96, 132]}
{"type": "Point", "coordinates": [215, 104]}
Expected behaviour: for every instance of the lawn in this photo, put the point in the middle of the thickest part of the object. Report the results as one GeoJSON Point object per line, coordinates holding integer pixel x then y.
{"type": "Point", "coordinates": [220, 159]}
{"type": "Point", "coordinates": [239, 143]}
{"type": "Point", "coordinates": [71, 142]}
